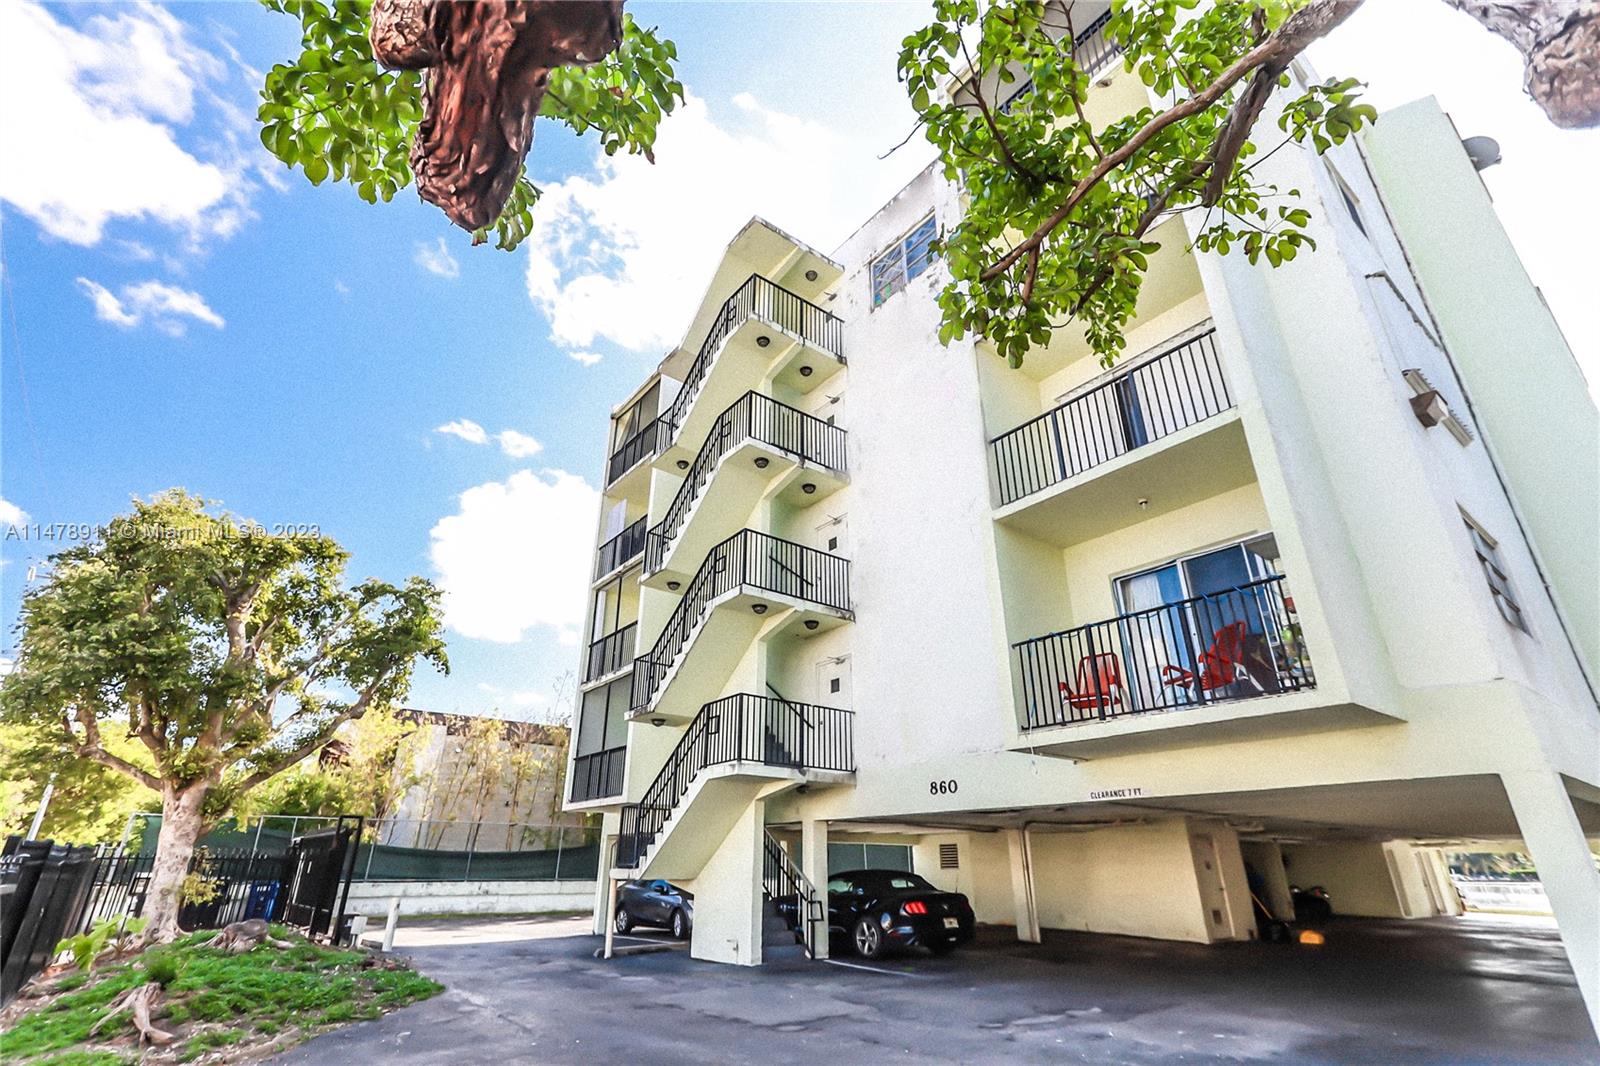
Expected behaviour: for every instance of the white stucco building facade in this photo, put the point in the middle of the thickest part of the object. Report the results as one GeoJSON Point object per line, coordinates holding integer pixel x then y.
{"type": "Point", "coordinates": [1300, 590]}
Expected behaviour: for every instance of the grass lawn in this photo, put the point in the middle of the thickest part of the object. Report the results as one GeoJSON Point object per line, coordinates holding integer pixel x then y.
{"type": "Point", "coordinates": [221, 1007]}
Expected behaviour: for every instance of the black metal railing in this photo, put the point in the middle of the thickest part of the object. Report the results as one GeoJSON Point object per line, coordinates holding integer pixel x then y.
{"type": "Point", "coordinates": [751, 560]}
{"type": "Point", "coordinates": [1092, 51]}
{"type": "Point", "coordinates": [770, 302]}
{"type": "Point", "coordinates": [621, 549]}
{"type": "Point", "coordinates": [1176, 389]}
{"type": "Point", "coordinates": [798, 899]}
{"type": "Point", "coordinates": [751, 417]}
{"type": "Point", "coordinates": [738, 728]}
{"type": "Point", "coordinates": [598, 774]}
{"type": "Point", "coordinates": [637, 448]}
{"type": "Point", "coordinates": [610, 653]}
{"type": "Point", "coordinates": [1242, 643]}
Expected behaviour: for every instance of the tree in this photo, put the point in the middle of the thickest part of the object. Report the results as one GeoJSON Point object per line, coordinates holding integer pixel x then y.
{"type": "Point", "coordinates": [229, 652]}
{"type": "Point", "coordinates": [89, 804]}
{"type": "Point", "coordinates": [1059, 211]}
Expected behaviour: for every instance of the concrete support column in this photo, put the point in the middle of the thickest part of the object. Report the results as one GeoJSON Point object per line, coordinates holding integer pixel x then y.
{"type": "Point", "coordinates": [727, 895]}
{"type": "Point", "coordinates": [1566, 868]}
{"type": "Point", "coordinates": [1265, 858]}
{"type": "Point", "coordinates": [602, 884]}
{"type": "Point", "coordinates": [814, 852]}
{"type": "Point", "coordinates": [1022, 885]}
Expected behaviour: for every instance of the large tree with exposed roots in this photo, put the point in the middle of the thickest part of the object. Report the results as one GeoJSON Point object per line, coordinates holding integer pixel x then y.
{"type": "Point", "coordinates": [228, 651]}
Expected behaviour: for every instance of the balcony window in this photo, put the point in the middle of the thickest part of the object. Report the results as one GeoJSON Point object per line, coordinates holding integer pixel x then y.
{"type": "Point", "coordinates": [1494, 572]}
{"type": "Point", "coordinates": [910, 257]}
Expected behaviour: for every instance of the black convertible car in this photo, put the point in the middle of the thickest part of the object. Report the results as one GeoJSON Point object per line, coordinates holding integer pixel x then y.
{"type": "Point", "coordinates": [658, 903]}
{"type": "Point", "coordinates": [880, 909]}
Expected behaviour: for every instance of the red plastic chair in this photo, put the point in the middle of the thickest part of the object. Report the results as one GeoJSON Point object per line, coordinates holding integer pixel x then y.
{"type": "Point", "coordinates": [1099, 683]}
{"type": "Point", "coordinates": [1221, 665]}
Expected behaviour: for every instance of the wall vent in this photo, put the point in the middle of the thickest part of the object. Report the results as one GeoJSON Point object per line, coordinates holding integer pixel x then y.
{"type": "Point", "coordinates": [949, 857]}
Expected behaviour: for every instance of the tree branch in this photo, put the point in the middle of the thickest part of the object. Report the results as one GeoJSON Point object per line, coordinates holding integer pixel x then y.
{"type": "Point", "coordinates": [90, 747]}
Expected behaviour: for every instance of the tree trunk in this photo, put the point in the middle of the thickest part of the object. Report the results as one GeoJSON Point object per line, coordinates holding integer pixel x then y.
{"type": "Point", "coordinates": [1560, 43]}
{"type": "Point", "coordinates": [181, 824]}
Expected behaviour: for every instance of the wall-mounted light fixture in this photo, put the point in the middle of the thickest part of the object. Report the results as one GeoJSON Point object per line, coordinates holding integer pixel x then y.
{"type": "Point", "coordinates": [683, 464]}
{"type": "Point", "coordinates": [808, 488]}
{"type": "Point", "coordinates": [805, 371]}
{"type": "Point", "coordinates": [763, 340]}
{"type": "Point", "coordinates": [658, 722]}
{"type": "Point", "coordinates": [811, 275]}
{"type": "Point", "coordinates": [674, 586]}
{"type": "Point", "coordinates": [812, 623]}
{"type": "Point", "coordinates": [759, 608]}
{"type": "Point", "coordinates": [761, 462]}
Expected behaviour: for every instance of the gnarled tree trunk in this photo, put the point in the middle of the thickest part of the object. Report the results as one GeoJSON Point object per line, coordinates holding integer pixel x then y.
{"type": "Point", "coordinates": [1560, 43]}
{"type": "Point", "coordinates": [181, 824]}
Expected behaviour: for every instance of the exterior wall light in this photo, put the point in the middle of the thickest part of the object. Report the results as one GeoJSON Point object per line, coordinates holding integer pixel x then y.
{"type": "Point", "coordinates": [674, 586]}
{"type": "Point", "coordinates": [808, 488]}
{"type": "Point", "coordinates": [805, 371]}
{"type": "Point", "coordinates": [812, 623]}
{"type": "Point", "coordinates": [811, 275]}
{"type": "Point", "coordinates": [762, 341]}
{"type": "Point", "coordinates": [761, 462]}
{"type": "Point", "coordinates": [759, 608]}
{"type": "Point", "coordinates": [683, 464]}
{"type": "Point", "coordinates": [658, 722]}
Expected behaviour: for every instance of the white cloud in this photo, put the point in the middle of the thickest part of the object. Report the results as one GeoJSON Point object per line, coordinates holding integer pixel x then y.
{"type": "Point", "coordinates": [166, 307]}
{"type": "Point", "coordinates": [586, 358]}
{"type": "Point", "coordinates": [517, 445]}
{"type": "Point", "coordinates": [516, 555]}
{"type": "Point", "coordinates": [435, 258]}
{"type": "Point", "coordinates": [11, 514]}
{"type": "Point", "coordinates": [646, 237]}
{"type": "Point", "coordinates": [466, 429]}
{"type": "Point", "coordinates": [90, 115]}
{"type": "Point", "coordinates": [515, 697]}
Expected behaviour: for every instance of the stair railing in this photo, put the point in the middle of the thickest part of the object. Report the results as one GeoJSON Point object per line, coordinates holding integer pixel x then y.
{"type": "Point", "coordinates": [781, 879]}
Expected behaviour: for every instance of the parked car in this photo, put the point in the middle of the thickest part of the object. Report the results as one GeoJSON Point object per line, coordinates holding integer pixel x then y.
{"type": "Point", "coordinates": [882, 909]}
{"type": "Point", "coordinates": [657, 903]}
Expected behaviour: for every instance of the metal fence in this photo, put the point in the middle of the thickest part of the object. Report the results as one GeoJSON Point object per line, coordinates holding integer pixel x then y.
{"type": "Point", "coordinates": [433, 849]}
{"type": "Point", "coordinates": [621, 549]}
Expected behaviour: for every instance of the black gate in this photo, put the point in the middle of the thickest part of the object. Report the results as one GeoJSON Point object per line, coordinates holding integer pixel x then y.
{"type": "Point", "coordinates": [43, 887]}
{"type": "Point", "coordinates": [320, 867]}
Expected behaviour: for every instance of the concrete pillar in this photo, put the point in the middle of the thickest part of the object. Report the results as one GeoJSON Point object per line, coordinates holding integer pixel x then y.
{"type": "Point", "coordinates": [814, 852]}
{"type": "Point", "coordinates": [1566, 868]}
{"type": "Point", "coordinates": [602, 885]}
{"type": "Point", "coordinates": [727, 895]}
{"type": "Point", "coordinates": [1027, 913]}
{"type": "Point", "coordinates": [1265, 858]}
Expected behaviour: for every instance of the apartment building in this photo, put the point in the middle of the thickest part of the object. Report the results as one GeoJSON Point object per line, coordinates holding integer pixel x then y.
{"type": "Point", "coordinates": [1300, 591]}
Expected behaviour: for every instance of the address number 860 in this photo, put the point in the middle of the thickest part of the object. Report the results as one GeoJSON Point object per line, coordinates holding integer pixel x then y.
{"type": "Point", "coordinates": [943, 788]}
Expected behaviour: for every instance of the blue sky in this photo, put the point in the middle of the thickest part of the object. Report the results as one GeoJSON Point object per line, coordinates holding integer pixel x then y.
{"type": "Point", "coordinates": [179, 310]}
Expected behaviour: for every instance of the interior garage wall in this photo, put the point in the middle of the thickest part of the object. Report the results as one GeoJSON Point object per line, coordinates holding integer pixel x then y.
{"type": "Point", "coordinates": [1356, 876]}
{"type": "Point", "coordinates": [1135, 880]}
{"type": "Point", "coordinates": [982, 873]}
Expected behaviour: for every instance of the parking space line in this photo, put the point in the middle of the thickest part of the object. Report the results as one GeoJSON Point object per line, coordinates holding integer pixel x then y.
{"type": "Point", "coordinates": [872, 969]}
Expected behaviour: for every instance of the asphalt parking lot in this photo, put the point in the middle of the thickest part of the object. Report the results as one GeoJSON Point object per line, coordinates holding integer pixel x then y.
{"type": "Point", "coordinates": [1474, 990]}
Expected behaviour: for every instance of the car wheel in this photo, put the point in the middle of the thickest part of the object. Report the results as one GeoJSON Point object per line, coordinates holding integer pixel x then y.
{"type": "Point", "coordinates": [624, 921]}
{"type": "Point", "coordinates": [868, 938]}
{"type": "Point", "coordinates": [680, 926]}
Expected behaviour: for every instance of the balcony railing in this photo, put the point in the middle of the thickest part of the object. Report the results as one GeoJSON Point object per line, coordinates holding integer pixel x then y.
{"type": "Point", "coordinates": [637, 448]}
{"type": "Point", "coordinates": [737, 728]}
{"type": "Point", "coordinates": [620, 550]}
{"type": "Point", "coordinates": [771, 302]}
{"type": "Point", "coordinates": [751, 560]}
{"type": "Point", "coordinates": [751, 417]}
{"type": "Point", "coordinates": [1092, 51]}
{"type": "Point", "coordinates": [1234, 645]}
{"type": "Point", "coordinates": [609, 654]}
{"type": "Point", "coordinates": [598, 774]}
{"type": "Point", "coordinates": [1176, 389]}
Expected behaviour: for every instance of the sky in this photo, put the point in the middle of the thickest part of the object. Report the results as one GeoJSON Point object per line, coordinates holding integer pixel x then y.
{"type": "Point", "coordinates": [177, 309]}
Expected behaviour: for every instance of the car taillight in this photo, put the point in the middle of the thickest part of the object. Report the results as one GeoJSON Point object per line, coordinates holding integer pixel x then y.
{"type": "Point", "coordinates": [916, 906]}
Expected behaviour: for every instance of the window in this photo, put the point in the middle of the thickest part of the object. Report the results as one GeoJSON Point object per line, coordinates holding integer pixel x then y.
{"type": "Point", "coordinates": [1494, 571]}
{"type": "Point", "coordinates": [908, 259]}
{"type": "Point", "coordinates": [1349, 199]}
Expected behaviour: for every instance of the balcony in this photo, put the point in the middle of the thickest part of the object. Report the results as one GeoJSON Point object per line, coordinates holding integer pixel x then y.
{"type": "Point", "coordinates": [620, 550]}
{"type": "Point", "coordinates": [750, 739]}
{"type": "Point", "coordinates": [1092, 52]}
{"type": "Point", "coordinates": [779, 337]}
{"type": "Point", "coordinates": [1241, 644]}
{"type": "Point", "coordinates": [750, 584]}
{"type": "Point", "coordinates": [756, 446]}
{"type": "Point", "coordinates": [643, 445]}
{"type": "Point", "coordinates": [610, 655]}
{"type": "Point", "coordinates": [597, 775]}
